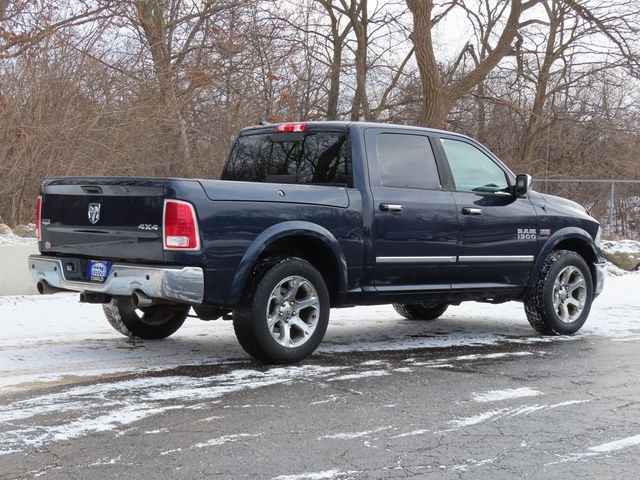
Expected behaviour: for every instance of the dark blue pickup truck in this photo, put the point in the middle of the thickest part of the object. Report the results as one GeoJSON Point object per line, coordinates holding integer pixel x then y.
{"type": "Point", "coordinates": [310, 216]}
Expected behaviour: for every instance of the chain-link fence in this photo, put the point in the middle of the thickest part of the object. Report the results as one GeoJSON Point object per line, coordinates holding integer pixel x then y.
{"type": "Point", "coordinates": [614, 203]}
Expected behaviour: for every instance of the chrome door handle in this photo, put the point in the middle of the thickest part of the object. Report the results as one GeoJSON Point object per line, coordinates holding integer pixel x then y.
{"type": "Point", "coordinates": [471, 211]}
{"type": "Point", "coordinates": [390, 207]}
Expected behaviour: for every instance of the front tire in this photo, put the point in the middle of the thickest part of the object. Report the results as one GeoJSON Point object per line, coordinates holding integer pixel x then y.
{"type": "Point", "coordinates": [420, 311]}
{"type": "Point", "coordinates": [151, 323]}
{"type": "Point", "coordinates": [560, 300]}
{"type": "Point", "coordinates": [284, 313]}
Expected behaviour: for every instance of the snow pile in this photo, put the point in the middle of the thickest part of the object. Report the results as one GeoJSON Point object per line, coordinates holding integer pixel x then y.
{"type": "Point", "coordinates": [620, 246]}
{"type": "Point", "coordinates": [615, 271]}
{"type": "Point", "coordinates": [12, 239]}
{"type": "Point", "coordinates": [623, 256]}
{"type": "Point", "coordinates": [22, 235]}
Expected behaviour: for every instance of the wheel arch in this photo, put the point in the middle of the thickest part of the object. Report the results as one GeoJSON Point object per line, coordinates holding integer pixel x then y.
{"type": "Point", "coordinates": [306, 240]}
{"type": "Point", "coordinates": [573, 239]}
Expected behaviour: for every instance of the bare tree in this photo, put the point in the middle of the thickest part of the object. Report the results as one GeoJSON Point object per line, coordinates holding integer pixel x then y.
{"type": "Point", "coordinates": [576, 42]}
{"type": "Point", "coordinates": [438, 95]}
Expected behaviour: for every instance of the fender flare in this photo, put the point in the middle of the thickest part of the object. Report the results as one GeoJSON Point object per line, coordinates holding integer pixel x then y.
{"type": "Point", "coordinates": [567, 233]}
{"type": "Point", "coordinates": [277, 232]}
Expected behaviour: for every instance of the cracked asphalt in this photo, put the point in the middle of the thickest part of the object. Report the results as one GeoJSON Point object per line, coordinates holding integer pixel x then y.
{"type": "Point", "coordinates": [562, 409]}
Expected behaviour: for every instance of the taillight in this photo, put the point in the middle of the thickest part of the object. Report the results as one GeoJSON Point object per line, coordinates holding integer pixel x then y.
{"type": "Point", "coordinates": [180, 227]}
{"type": "Point", "coordinates": [39, 217]}
{"type": "Point", "coordinates": [291, 127]}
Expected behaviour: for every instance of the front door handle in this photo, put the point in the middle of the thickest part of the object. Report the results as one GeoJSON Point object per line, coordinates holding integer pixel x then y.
{"type": "Point", "coordinates": [471, 211]}
{"type": "Point", "coordinates": [390, 207]}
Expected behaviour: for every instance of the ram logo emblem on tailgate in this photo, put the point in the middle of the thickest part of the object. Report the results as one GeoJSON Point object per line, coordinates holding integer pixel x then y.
{"type": "Point", "coordinates": [94, 213]}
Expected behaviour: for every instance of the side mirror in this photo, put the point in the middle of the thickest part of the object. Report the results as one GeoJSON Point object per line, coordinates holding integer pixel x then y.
{"type": "Point", "coordinates": [523, 182]}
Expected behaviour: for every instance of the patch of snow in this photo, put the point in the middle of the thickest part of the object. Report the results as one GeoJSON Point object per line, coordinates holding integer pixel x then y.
{"type": "Point", "coordinates": [403, 370]}
{"type": "Point", "coordinates": [473, 463]}
{"type": "Point", "coordinates": [602, 449]}
{"type": "Point", "coordinates": [106, 461]}
{"type": "Point", "coordinates": [13, 239]}
{"type": "Point", "coordinates": [620, 246]}
{"type": "Point", "coordinates": [225, 439]}
{"type": "Point", "coordinates": [129, 401]}
{"type": "Point", "coordinates": [566, 404]}
{"type": "Point", "coordinates": [492, 415]}
{"type": "Point", "coordinates": [411, 434]}
{"type": "Point", "coordinates": [366, 374]}
{"type": "Point", "coordinates": [325, 475]}
{"type": "Point", "coordinates": [36, 436]}
{"type": "Point", "coordinates": [498, 395]}
{"type": "Point", "coordinates": [616, 445]}
{"type": "Point", "coordinates": [492, 356]}
{"type": "Point", "coordinates": [352, 435]}
{"type": "Point", "coordinates": [615, 271]}
{"type": "Point", "coordinates": [476, 419]}
{"type": "Point", "coordinates": [329, 399]}
{"type": "Point", "coordinates": [370, 363]}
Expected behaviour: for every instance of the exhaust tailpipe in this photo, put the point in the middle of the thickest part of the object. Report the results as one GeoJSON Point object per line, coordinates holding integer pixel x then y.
{"type": "Point", "coordinates": [45, 289]}
{"type": "Point", "coordinates": [139, 299]}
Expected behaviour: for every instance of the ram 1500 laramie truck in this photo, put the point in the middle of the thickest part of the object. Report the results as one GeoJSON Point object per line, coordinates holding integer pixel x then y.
{"type": "Point", "coordinates": [310, 216]}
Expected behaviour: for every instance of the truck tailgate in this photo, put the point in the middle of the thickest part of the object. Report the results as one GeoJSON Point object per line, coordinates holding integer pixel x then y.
{"type": "Point", "coordinates": [104, 218]}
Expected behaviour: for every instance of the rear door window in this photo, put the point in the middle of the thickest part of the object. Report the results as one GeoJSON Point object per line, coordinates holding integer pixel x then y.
{"type": "Point", "coordinates": [320, 158]}
{"type": "Point", "coordinates": [406, 161]}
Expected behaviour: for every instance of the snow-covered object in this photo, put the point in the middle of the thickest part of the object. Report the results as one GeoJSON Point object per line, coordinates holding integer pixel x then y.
{"type": "Point", "coordinates": [27, 231]}
{"type": "Point", "coordinates": [624, 254]}
{"type": "Point", "coordinates": [620, 246]}
{"type": "Point", "coordinates": [13, 239]}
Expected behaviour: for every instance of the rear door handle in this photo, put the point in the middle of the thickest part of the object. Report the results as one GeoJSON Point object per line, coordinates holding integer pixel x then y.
{"type": "Point", "coordinates": [471, 211]}
{"type": "Point", "coordinates": [390, 207]}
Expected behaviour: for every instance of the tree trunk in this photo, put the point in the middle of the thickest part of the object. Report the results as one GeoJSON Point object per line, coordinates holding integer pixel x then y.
{"type": "Point", "coordinates": [151, 18]}
{"type": "Point", "coordinates": [536, 117]}
{"type": "Point", "coordinates": [434, 104]}
{"type": "Point", "coordinates": [360, 22]}
{"type": "Point", "coordinates": [334, 78]}
{"type": "Point", "coordinates": [437, 99]}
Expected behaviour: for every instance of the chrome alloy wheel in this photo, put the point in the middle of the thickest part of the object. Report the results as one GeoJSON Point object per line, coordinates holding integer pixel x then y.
{"type": "Point", "coordinates": [293, 311]}
{"type": "Point", "coordinates": [569, 294]}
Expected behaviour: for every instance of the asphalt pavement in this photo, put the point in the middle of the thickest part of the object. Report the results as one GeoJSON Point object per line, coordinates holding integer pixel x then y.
{"type": "Point", "coordinates": [523, 409]}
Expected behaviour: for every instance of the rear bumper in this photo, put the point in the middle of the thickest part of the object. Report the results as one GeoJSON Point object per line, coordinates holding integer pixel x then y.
{"type": "Point", "coordinates": [178, 284]}
{"type": "Point", "coordinates": [601, 273]}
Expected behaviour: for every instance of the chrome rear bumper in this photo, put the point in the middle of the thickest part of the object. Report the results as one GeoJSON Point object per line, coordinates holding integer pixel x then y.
{"type": "Point", "coordinates": [178, 284]}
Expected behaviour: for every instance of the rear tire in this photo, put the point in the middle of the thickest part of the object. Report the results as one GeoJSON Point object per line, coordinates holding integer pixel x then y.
{"type": "Point", "coordinates": [151, 323]}
{"type": "Point", "coordinates": [284, 312]}
{"type": "Point", "coordinates": [420, 311]}
{"type": "Point", "coordinates": [560, 299]}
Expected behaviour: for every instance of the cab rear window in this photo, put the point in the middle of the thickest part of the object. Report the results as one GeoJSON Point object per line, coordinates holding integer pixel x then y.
{"type": "Point", "coordinates": [317, 158]}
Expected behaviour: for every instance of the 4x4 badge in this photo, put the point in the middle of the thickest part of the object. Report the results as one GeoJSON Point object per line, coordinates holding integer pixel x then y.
{"type": "Point", "coordinates": [94, 213]}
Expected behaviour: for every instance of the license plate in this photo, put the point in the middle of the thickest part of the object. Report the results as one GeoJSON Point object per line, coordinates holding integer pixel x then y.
{"type": "Point", "coordinates": [97, 270]}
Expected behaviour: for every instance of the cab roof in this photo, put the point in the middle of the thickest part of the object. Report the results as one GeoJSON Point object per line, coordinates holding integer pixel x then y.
{"type": "Point", "coordinates": [344, 125]}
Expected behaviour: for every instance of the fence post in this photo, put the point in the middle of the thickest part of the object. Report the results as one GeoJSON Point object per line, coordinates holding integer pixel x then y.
{"type": "Point", "coordinates": [611, 206]}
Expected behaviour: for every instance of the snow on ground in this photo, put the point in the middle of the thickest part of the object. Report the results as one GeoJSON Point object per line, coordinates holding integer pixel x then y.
{"type": "Point", "coordinates": [497, 395]}
{"type": "Point", "coordinates": [74, 340]}
{"type": "Point", "coordinates": [620, 246]}
{"type": "Point", "coordinates": [52, 340]}
{"type": "Point", "coordinates": [12, 239]}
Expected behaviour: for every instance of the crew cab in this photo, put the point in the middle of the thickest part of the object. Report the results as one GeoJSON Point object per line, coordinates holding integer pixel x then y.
{"type": "Point", "coordinates": [312, 216]}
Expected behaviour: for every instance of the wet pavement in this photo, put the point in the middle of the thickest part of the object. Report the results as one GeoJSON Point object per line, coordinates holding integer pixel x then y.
{"type": "Point", "coordinates": [567, 409]}
{"type": "Point", "coordinates": [477, 394]}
